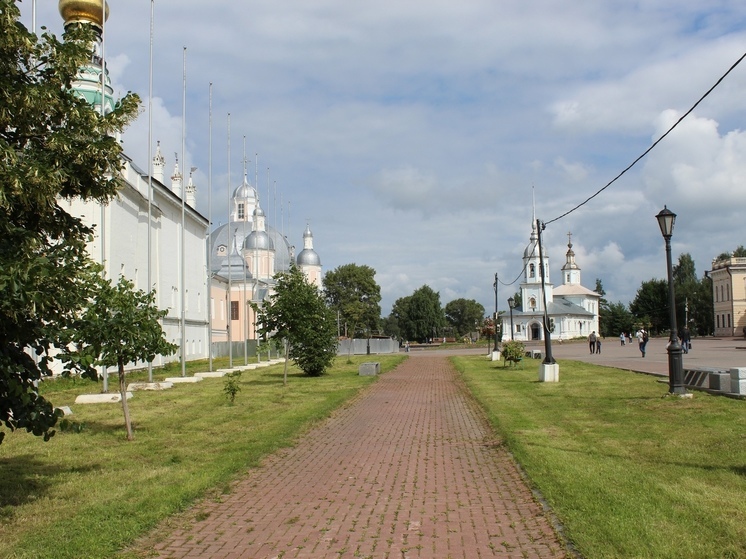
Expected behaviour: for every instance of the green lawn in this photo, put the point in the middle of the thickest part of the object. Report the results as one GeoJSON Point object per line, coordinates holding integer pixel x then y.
{"type": "Point", "coordinates": [629, 473]}
{"type": "Point", "coordinates": [88, 493]}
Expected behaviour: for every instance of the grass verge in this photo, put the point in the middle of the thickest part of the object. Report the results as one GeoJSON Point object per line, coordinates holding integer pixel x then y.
{"type": "Point", "coordinates": [88, 493]}
{"type": "Point", "coordinates": [629, 473]}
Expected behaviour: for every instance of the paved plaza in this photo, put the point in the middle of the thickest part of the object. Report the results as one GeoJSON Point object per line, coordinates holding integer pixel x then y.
{"type": "Point", "coordinates": [408, 469]}
{"type": "Point", "coordinates": [706, 352]}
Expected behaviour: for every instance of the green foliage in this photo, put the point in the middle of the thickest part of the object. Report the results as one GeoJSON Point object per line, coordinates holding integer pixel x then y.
{"type": "Point", "coordinates": [231, 385]}
{"type": "Point", "coordinates": [352, 291]}
{"type": "Point", "coordinates": [740, 252]}
{"type": "Point", "coordinates": [53, 147]}
{"type": "Point", "coordinates": [650, 305]}
{"type": "Point", "coordinates": [513, 351]}
{"type": "Point", "coordinates": [419, 316]}
{"type": "Point", "coordinates": [615, 319]}
{"type": "Point", "coordinates": [464, 315]}
{"type": "Point", "coordinates": [119, 325]}
{"type": "Point", "coordinates": [297, 313]}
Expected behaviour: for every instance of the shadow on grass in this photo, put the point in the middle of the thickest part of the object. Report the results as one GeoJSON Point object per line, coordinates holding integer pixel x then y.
{"type": "Point", "coordinates": [739, 470]}
{"type": "Point", "coordinates": [25, 479]}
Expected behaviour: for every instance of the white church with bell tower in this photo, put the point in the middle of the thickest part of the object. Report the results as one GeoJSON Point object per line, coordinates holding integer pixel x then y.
{"type": "Point", "coordinates": [572, 308]}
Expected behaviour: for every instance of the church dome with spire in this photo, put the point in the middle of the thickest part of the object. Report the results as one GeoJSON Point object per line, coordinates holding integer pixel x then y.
{"type": "Point", "coordinates": [308, 256]}
{"type": "Point", "coordinates": [83, 11]}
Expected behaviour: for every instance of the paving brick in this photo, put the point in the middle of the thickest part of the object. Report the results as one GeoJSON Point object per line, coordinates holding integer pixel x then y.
{"type": "Point", "coordinates": [409, 469]}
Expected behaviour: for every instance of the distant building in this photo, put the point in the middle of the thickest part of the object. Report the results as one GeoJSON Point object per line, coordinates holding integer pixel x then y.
{"type": "Point", "coordinates": [729, 295]}
{"type": "Point", "coordinates": [245, 255]}
{"type": "Point", "coordinates": [572, 309]}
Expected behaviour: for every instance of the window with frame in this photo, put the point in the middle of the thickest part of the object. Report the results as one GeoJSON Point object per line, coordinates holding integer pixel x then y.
{"type": "Point", "coordinates": [234, 310]}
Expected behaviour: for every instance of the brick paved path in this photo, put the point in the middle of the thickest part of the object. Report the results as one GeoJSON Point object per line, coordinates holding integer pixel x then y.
{"type": "Point", "coordinates": [408, 469]}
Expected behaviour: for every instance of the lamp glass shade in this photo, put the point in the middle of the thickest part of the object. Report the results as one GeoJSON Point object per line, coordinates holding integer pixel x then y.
{"type": "Point", "coordinates": [511, 302]}
{"type": "Point", "coordinates": [666, 219]}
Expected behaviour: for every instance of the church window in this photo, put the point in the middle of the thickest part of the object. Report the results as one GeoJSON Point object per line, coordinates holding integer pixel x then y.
{"type": "Point", "coordinates": [717, 297]}
{"type": "Point", "coordinates": [718, 319]}
{"type": "Point", "coordinates": [532, 303]}
{"type": "Point", "coordinates": [241, 211]}
{"type": "Point", "coordinates": [568, 278]}
{"type": "Point", "coordinates": [234, 310]}
{"type": "Point", "coordinates": [531, 271]}
{"type": "Point", "coordinates": [727, 292]}
{"type": "Point", "coordinates": [222, 249]}
{"type": "Point", "coordinates": [729, 321]}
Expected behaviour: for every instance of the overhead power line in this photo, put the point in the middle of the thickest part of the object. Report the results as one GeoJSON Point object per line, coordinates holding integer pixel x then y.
{"type": "Point", "coordinates": [659, 140]}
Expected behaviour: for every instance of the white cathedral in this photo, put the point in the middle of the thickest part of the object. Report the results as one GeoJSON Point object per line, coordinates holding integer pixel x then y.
{"type": "Point", "coordinates": [139, 235]}
{"type": "Point", "coordinates": [572, 309]}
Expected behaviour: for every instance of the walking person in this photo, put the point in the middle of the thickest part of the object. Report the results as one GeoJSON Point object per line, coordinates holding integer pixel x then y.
{"type": "Point", "coordinates": [592, 342]}
{"type": "Point", "coordinates": [686, 339]}
{"type": "Point", "coordinates": [598, 344]}
{"type": "Point", "coordinates": [622, 338]}
{"type": "Point", "coordinates": [642, 337]}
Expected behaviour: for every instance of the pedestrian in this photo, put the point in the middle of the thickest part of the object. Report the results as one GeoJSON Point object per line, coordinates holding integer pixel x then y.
{"type": "Point", "coordinates": [592, 342]}
{"type": "Point", "coordinates": [598, 344]}
{"type": "Point", "coordinates": [643, 340]}
{"type": "Point", "coordinates": [622, 338]}
{"type": "Point", "coordinates": [686, 339]}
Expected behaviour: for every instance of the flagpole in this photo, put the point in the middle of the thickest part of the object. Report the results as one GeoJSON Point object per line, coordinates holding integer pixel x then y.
{"type": "Point", "coordinates": [209, 232]}
{"type": "Point", "coordinates": [230, 252]}
{"type": "Point", "coordinates": [150, 168]}
{"type": "Point", "coordinates": [183, 221]}
{"type": "Point", "coordinates": [103, 207]}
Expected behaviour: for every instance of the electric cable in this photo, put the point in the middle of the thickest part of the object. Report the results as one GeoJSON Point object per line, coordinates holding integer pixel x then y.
{"type": "Point", "coordinates": [687, 113]}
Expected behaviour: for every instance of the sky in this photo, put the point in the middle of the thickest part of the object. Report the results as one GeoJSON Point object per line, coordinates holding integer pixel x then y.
{"type": "Point", "coordinates": [413, 136]}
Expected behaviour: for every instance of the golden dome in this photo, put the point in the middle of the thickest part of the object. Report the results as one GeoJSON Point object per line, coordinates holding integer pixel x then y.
{"type": "Point", "coordinates": [83, 11]}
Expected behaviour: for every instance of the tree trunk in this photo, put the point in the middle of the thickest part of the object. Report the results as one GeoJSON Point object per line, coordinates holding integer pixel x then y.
{"type": "Point", "coordinates": [287, 351]}
{"type": "Point", "coordinates": [125, 408]}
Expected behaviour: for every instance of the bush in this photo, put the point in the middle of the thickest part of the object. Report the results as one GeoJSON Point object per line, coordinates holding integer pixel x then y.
{"type": "Point", "coordinates": [513, 351]}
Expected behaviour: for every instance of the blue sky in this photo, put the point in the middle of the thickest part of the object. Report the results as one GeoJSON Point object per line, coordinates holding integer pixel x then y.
{"type": "Point", "coordinates": [410, 134]}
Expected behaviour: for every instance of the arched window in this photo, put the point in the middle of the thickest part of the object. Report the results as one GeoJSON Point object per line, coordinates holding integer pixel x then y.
{"type": "Point", "coordinates": [532, 303]}
{"type": "Point", "coordinates": [531, 271]}
{"type": "Point", "coordinates": [241, 212]}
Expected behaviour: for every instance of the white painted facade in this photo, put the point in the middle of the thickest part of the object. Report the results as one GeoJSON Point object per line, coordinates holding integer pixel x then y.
{"type": "Point", "coordinates": [571, 308]}
{"type": "Point", "coordinates": [125, 252]}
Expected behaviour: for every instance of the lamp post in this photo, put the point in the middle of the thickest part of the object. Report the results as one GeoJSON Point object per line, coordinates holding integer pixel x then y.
{"type": "Point", "coordinates": [494, 324]}
{"type": "Point", "coordinates": [511, 304]}
{"type": "Point", "coordinates": [666, 219]}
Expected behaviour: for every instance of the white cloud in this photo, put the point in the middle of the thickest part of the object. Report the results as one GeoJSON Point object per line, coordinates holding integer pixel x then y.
{"type": "Point", "coordinates": [410, 133]}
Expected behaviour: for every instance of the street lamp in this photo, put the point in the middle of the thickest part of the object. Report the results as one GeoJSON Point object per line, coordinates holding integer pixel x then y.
{"type": "Point", "coordinates": [511, 304]}
{"type": "Point", "coordinates": [666, 219]}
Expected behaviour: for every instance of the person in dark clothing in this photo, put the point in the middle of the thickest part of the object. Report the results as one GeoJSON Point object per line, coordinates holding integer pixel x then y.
{"type": "Point", "coordinates": [592, 339]}
{"type": "Point", "coordinates": [686, 339]}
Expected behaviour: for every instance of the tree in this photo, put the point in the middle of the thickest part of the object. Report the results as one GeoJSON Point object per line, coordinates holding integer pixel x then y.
{"type": "Point", "coordinates": [352, 291]}
{"type": "Point", "coordinates": [464, 315]}
{"type": "Point", "coordinates": [650, 305]}
{"type": "Point", "coordinates": [120, 325]}
{"type": "Point", "coordinates": [419, 316]}
{"type": "Point", "coordinates": [297, 314]}
{"type": "Point", "coordinates": [517, 300]}
{"type": "Point", "coordinates": [617, 319]}
{"type": "Point", "coordinates": [740, 252]}
{"type": "Point", "coordinates": [53, 147]}
{"type": "Point", "coordinates": [603, 310]}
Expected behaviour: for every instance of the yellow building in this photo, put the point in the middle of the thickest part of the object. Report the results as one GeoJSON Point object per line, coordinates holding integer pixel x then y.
{"type": "Point", "coordinates": [729, 295]}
